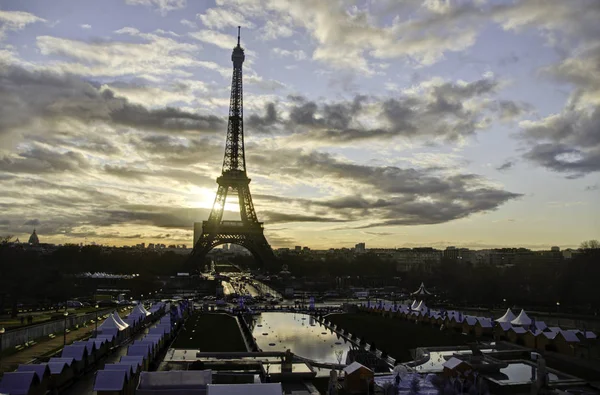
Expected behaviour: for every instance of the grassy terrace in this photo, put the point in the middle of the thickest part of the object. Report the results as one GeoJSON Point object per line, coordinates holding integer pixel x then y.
{"type": "Point", "coordinates": [211, 333]}
{"type": "Point", "coordinates": [397, 336]}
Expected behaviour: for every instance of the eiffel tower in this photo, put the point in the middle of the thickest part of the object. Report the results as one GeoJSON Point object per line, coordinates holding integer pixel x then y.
{"type": "Point", "coordinates": [249, 231]}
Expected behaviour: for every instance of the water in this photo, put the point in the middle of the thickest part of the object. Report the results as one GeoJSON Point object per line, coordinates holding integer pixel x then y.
{"type": "Point", "coordinates": [438, 358]}
{"type": "Point", "coordinates": [301, 334]}
{"type": "Point", "coordinates": [521, 373]}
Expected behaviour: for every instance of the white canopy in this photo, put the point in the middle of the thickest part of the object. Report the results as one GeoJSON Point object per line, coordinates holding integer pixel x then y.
{"type": "Point", "coordinates": [414, 304]}
{"type": "Point", "coordinates": [119, 320]}
{"type": "Point", "coordinates": [141, 306]}
{"type": "Point", "coordinates": [522, 319]}
{"type": "Point", "coordinates": [421, 290]}
{"type": "Point", "coordinates": [507, 317]}
{"type": "Point", "coordinates": [139, 310]}
{"type": "Point", "coordinates": [110, 323]}
{"type": "Point", "coordinates": [421, 306]}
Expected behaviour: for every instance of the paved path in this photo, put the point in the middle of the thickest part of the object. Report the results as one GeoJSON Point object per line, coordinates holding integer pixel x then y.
{"type": "Point", "coordinates": [10, 362]}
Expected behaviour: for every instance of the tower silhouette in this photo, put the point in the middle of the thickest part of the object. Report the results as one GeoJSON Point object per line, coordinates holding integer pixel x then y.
{"type": "Point", "coordinates": [248, 232]}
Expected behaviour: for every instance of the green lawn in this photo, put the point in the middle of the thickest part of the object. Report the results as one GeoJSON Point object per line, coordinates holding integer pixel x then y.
{"type": "Point", "coordinates": [211, 333]}
{"type": "Point", "coordinates": [397, 336]}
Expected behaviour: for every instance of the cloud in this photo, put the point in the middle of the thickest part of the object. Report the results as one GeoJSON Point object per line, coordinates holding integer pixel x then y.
{"type": "Point", "coordinates": [225, 41]}
{"type": "Point", "coordinates": [351, 36]}
{"type": "Point", "coordinates": [153, 59]}
{"type": "Point", "coordinates": [219, 18]}
{"type": "Point", "coordinates": [32, 222]}
{"type": "Point", "coordinates": [272, 30]}
{"type": "Point", "coordinates": [161, 6]}
{"type": "Point", "coordinates": [16, 20]}
{"type": "Point", "coordinates": [436, 109]}
{"type": "Point", "coordinates": [189, 24]}
{"type": "Point", "coordinates": [410, 196]}
{"type": "Point", "coordinates": [85, 26]}
{"type": "Point", "coordinates": [507, 165]}
{"type": "Point", "coordinates": [40, 160]}
{"type": "Point", "coordinates": [28, 96]}
{"type": "Point", "coordinates": [296, 54]}
{"type": "Point", "coordinates": [277, 217]}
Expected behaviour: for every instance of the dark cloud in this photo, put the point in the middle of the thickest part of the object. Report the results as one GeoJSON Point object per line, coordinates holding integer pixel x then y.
{"type": "Point", "coordinates": [4, 222]}
{"type": "Point", "coordinates": [594, 187]}
{"type": "Point", "coordinates": [568, 142]}
{"type": "Point", "coordinates": [26, 96]}
{"type": "Point", "coordinates": [277, 217]}
{"type": "Point", "coordinates": [39, 160]}
{"type": "Point", "coordinates": [408, 196]}
{"type": "Point", "coordinates": [509, 110]}
{"type": "Point", "coordinates": [509, 164]}
{"type": "Point", "coordinates": [32, 222]}
{"type": "Point", "coordinates": [563, 158]}
{"type": "Point", "coordinates": [438, 111]}
{"type": "Point", "coordinates": [159, 216]}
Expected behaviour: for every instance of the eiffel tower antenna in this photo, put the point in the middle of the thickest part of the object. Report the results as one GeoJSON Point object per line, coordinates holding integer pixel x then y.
{"type": "Point", "coordinates": [248, 232]}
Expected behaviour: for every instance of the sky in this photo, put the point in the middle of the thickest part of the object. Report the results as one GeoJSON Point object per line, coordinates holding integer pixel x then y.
{"type": "Point", "coordinates": [473, 123]}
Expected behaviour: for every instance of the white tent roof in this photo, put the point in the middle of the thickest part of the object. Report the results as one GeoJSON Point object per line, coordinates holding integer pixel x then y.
{"type": "Point", "coordinates": [119, 320]}
{"type": "Point", "coordinates": [141, 306]}
{"type": "Point", "coordinates": [421, 290]}
{"type": "Point", "coordinates": [110, 323]}
{"type": "Point", "coordinates": [421, 306]}
{"type": "Point", "coordinates": [139, 310]}
{"type": "Point", "coordinates": [507, 317]}
{"type": "Point", "coordinates": [413, 305]}
{"type": "Point", "coordinates": [522, 319]}
{"type": "Point", "coordinates": [246, 389]}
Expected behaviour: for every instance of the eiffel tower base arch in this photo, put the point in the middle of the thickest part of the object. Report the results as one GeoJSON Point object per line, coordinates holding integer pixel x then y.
{"type": "Point", "coordinates": [255, 242]}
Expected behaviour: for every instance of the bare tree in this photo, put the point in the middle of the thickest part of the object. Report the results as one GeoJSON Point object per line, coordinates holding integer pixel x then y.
{"type": "Point", "coordinates": [590, 245]}
{"type": "Point", "coordinates": [5, 239]}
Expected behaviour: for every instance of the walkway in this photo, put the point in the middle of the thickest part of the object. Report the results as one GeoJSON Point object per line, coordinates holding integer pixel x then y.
{"type": "Point", "coordinates": [10, 362]}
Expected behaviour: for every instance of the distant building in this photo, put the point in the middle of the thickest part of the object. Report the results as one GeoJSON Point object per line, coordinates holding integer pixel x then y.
{"type": "Point", "coordinates": [33, 239]}
{"type": "Point", "coordinates": [425, 258]}
{"type": "Point", "coordinates": [360, 247]}
{"type": "Point", "coordinates": [555, 249]}
{"type": "Point", "coordinates": [298, 248]}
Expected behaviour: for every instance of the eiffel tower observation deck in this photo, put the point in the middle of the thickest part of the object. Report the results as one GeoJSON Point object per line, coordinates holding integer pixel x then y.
{"type": "Point", "coordinates": [248, 232]}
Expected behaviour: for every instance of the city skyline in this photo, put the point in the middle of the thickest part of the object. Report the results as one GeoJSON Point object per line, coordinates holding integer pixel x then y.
{"type": "Point", "coordinates": [422, 123]}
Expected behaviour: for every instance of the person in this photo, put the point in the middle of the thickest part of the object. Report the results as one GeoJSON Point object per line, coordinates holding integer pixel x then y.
{"type": "Point", "coordinates": [398, 379]}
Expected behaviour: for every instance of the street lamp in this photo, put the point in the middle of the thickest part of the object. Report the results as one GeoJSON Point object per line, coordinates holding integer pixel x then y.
{"type": "Point", "coordinates": [1, 333]}
{"type": "Point", "coordinates": [66, 314]}
{"type": "Point", "coordinates": [96, 322]}
{"type": "Point", "coordinates": [557, 306]}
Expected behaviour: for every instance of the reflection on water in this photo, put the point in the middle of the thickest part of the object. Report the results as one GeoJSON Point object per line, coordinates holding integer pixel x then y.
{"type": "Point", "coordinates": [301, 334]}
{"type": "Point", "coordinates": [521, 373]}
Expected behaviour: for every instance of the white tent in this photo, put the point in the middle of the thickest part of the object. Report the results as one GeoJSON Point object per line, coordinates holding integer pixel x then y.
{"type": "Point", "coordinates": [422, 290]}
{"type": "Point", "coordinates": [119, 320]}
{"type": "Point", "coordinates": [421, 306]}
{"type": "Point", "coordinates": [139, 310]}
{"type": "Point", "coordinates": [109, 324]}
{"type": "Point", "coordinates": [507, 317]}
{"type": "Point", "coordinates": [522, 319]}
{"type": "Point", "coordinates": [141, 306]}
{"type": "Point", "coordinates": [414, 304]}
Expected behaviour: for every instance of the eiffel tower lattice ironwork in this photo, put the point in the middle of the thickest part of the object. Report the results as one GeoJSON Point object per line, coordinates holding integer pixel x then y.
{"type": "Point", "coordinates": [249, 231]}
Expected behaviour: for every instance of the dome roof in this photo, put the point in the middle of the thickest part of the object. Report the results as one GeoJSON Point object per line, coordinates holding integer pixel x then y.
{"type": "Point", "coordinates": [33, 239]}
